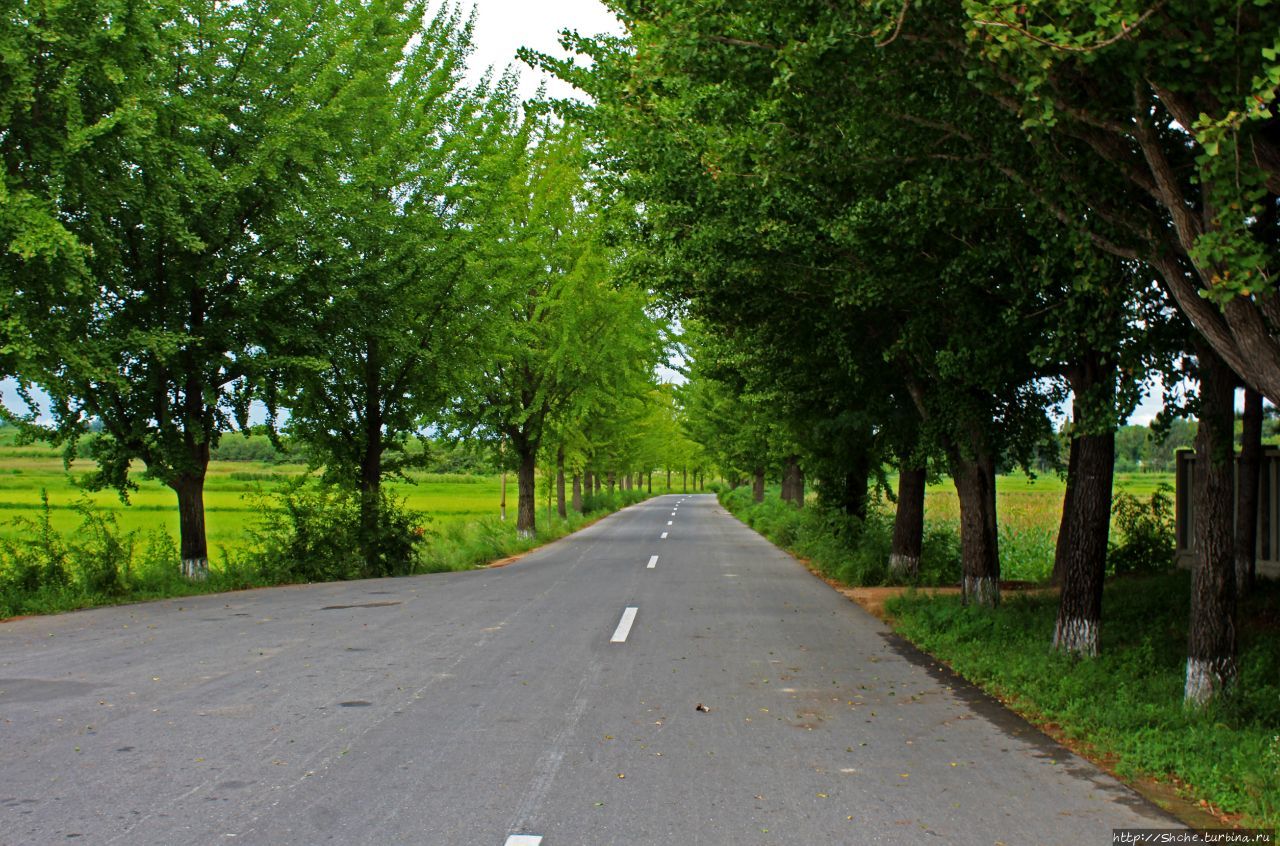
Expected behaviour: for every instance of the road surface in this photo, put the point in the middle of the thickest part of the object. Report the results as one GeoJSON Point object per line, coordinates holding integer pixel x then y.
{"type": "Point", "coordinates": [665, 676]}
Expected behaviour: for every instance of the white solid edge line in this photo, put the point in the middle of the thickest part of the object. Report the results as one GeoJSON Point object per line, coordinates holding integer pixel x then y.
{"type": "Point", "coordinates": [624, 625]}
{"type": "Point", "coordinates": [524, 840]}
{"type": "Point", "coordinates": [653, 561]}
{"type": "Point", "coordinates": [664, 536]}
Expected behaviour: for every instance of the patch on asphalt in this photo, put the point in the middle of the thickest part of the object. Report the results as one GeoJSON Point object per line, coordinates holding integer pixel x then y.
{"type": "Point", "coordinates": [41, 690]}
{"type": "Point", "coordinates": [362, 605]}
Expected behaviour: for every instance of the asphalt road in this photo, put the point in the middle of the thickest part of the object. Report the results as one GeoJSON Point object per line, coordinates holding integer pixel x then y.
{"type": "Point", "coordinates": [499, 706]}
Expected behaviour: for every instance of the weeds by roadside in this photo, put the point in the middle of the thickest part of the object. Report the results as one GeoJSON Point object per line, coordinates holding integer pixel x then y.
{"type": "Point", "coordinates": [841, 547]}
{"type": "Point", "coordinates": [308, 533]}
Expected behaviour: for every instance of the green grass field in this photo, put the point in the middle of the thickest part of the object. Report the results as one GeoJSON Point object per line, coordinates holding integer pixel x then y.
{"type": "Point", "coordinates": [230, 495]}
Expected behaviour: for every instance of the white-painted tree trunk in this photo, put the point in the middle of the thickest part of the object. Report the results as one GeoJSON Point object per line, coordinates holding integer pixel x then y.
{"type": "Point", "coordinates": [1078, 636]}
{"type": "Point", "coordinates": [1207, 679]}
{"type": "Point", "coordinates": [904, 567]}
{"type": "Point", "coordinates": [982, 591]}
{"type": "Point", "coordinates": [195, 569]}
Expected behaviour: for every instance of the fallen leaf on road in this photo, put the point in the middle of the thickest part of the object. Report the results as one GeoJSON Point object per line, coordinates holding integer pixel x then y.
{"type": "Point", "coordinates": [622, 775]}
{"type": "Point", "coordinates": [703, 708]}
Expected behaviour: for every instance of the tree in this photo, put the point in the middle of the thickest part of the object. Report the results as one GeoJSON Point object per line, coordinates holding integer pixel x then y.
{"type": "Point", "coordinates": [563, 331]}
{"type": "Point", "coordinates": [217, 115]}
{"type": "Point", "coordinates": [1178, 101]}
{"type": "Point", "coordinates": [375, 264]}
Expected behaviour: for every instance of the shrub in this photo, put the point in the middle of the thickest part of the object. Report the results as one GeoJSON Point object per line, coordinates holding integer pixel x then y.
{"type": "Point", "coordinates": [840, 546]}
{"type": "Point", "coordinates": [38, 559]}
{"type": "Point", "coordinates": [311, 531]}
{"type": "Point", "coordinates": [1147, 533]}
{"type": "Point", "coordinates": [43, 571]}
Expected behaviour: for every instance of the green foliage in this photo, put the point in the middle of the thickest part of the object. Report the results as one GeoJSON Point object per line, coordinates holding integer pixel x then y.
{"type": "Point", "coordinates": [252, 448]}
{"type": "Point", "coordinates": [43, 570]}
{"type": "Point", "coordinates": [1026, 552]}
{"type": "Point", "coordinates": [376, 262]}
{"type": "Point", "coordinates": [1147, 533]}
{"type": "Point", "coordinates": [1126, 703]}
{"type": "Point", "coordinates": [310, 531]}
{"type": "Point", "coordinates": [1152, 449]}
{"type": "Point", "coordinates": [571, 349]}
{"type": "Point", "coordinates": [841, 547]}
{"type": "Point", "coordinates": [606, 502]}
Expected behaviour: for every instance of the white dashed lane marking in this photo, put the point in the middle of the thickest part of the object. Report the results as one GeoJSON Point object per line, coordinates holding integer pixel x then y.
{"type": "Point", "coordinates": [624, 625]}
{"type": "Point", "coordinates": [524, 840]}
{"type": "Point", "coordinates": [653, 561]}
{"type": "Point", "coordinates": [664, 535]}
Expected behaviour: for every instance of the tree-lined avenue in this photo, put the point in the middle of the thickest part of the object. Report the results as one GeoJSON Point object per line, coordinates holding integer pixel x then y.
{"type": "Point", "coordinates": [749, 704]}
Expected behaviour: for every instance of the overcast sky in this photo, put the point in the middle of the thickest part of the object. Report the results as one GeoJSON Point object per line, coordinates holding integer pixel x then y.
{"type": "Point", "coordinates": [504, 26]}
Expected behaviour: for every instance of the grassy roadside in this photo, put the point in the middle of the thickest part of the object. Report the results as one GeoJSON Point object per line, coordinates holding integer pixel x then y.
{"type": "Point", "coordinates": [1123, 710]}
{"type": "Point", "coordinates": [49, 570]}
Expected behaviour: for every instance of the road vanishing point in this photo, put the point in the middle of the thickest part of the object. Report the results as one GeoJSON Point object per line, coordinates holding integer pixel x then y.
{"type": "Point", "coordinates": [665, 676]}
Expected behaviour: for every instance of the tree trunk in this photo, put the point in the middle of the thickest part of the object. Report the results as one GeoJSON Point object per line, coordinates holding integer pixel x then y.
{"type": "Point", "coordinates": [599, 485]}
{"type": "Point", "coordinates": [684, 486]}
{"type": "Point", "coordinates": [975, 481]}
{"type": "Point", "coordinates": [193, 544]}
{"type": "Point", "coordinates": [577, 493]}
{"type": "Point", "coordinates": [370, 487]}
{"type": "Point", "coordinates": [793, 482]}
{"type": "Point", "coordinates": [613, 478]}
{"type": "Point", "coordinates": [1080, 558]}
{"type": "Point", "coordinates": [908, 524]}
{"type": "Point", "coordinates": [627, 479]}
{"type": "Point", "coordinates": [1211, 646]}
{"type": "Point", "coordinates": [1084, 555]}
{"type": "Point", "coordinates": [561, 508]}
{"type": "Point", "coordinates": [1247, 490]}
{"type": "Point", "coordinates": [1064, 528]}
{"type": "Point", "coordinates": [853, 495]}
{"type": "Point", "coordinates": [757, 485]}
{"type": "Point", "coordinates": [502, 506]}
{"type": "Point", "coordinates": [526, 503]}
{"type": "Point", "coordinates": [649, 484]}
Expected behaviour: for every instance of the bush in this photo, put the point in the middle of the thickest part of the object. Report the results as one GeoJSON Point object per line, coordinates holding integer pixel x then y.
{"type": "Point", "coordinates": [43, 571]}
{"type": "Point", "coordinates": [311, 531]}
{"type": "Point", "coordinates": [840, 546]}
{"type": "Point", "coordinates": [1147, 533]}
{"type": "Point", "coordinates": [607, 502]}
{"type": "Point", "coordinates": [237, 447]}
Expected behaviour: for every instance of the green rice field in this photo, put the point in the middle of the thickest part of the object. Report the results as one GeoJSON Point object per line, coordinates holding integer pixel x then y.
{"type": "Point", "coordinates": [231, 495]}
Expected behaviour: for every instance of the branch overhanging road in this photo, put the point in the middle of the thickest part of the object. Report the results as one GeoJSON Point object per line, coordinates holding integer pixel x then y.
{"type": "Point", "coordinates": [741, 702]}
